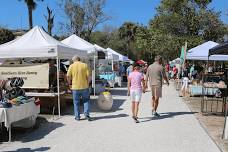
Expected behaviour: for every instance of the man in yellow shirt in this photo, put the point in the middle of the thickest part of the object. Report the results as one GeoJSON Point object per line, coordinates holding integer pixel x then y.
{"type": "Point", "coordinates": [78, 79]}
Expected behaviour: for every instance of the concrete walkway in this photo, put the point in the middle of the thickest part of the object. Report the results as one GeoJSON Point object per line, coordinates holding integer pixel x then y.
{"type": "Point", "coordinates": [177, 130]}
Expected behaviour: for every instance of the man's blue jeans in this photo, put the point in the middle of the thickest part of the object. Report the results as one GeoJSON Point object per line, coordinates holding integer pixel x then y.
{"type": "Point", "coordinates": [79, 95]}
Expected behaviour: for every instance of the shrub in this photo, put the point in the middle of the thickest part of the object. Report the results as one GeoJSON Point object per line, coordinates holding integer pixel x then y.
{"type": "Point", "coordinates": [6, 35]}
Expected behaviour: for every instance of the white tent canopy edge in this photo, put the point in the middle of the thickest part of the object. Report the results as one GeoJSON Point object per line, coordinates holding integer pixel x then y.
{"type": "Point", "coordinates": [201, 52]}
{"type": "Point", "coordinates": [36, 43]}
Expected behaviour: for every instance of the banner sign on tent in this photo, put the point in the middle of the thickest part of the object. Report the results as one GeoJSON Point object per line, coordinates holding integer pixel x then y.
{"type": "Point", "coordinates": [34, 76]}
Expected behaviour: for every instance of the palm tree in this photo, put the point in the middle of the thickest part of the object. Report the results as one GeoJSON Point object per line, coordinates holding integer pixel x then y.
{"type": "Point", "coordinates": [31, 4]}
{"type": "Point", "coordinates": [127, 32]}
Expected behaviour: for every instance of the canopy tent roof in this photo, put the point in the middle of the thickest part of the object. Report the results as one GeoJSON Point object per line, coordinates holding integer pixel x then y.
{"type": "Point", "coordinates": [221, 49]}
{"type": "Point", "coordinates": [78, 43]}
{"type": "Point", "coordinates": [201, 52]}
{"type": "Point", "coordinates": [99, 48]}
{"type": "Point", "coordinates": [36, 44]}
{"type": "Point", "coordinates": [121, 57]}
{"type": "Point", "coordinates": [112, 55]}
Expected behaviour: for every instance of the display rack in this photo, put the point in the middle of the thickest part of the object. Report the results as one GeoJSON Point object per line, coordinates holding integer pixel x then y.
{"type": "Point", "coordinates": [213, 99]}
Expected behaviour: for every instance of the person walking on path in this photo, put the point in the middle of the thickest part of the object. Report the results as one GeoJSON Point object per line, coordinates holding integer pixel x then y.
{"type": "Point", "coordinates": [175, 72]}
{"type": "Point", "coordinates": [78, 79]}
{"type": "Point", "coordinates": [136, 86]}
{"type": "Point", "coordinates": [155, 74]}
{"type": "Point", "coordinates": [185, 80]}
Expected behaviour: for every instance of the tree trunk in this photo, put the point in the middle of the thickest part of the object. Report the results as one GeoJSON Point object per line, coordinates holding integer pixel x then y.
{"type": "Point", "coordinates": [30, 18]}
{"type": "Point", "coordinates": [49, 28]}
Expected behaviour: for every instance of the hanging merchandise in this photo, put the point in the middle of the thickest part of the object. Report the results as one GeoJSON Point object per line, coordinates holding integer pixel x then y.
{"type": "Point", "coordinates": [10, 94]}
{"type": "Point", "coordinates": [14, 93]}
{"type": "Point", "coordinates": [16, 82]}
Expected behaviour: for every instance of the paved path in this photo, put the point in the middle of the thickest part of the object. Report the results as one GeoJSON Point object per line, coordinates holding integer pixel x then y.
{"type": "Point", "coordinates": [177, 130]}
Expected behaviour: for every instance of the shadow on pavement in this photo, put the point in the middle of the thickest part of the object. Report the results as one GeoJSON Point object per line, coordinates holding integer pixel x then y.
{"type": "Point", "coordinates": [42, 128]}
{"type": "Point", "coordinates": [119, 92]}
{"type": "Point", "coordinates": [117, 103]}
{"type": "Point", "coordinates": [110, 117]}
{"type": "Point", "coordinates": [30, 150]}
{"type": "Point", "coordinates": [166, 115]}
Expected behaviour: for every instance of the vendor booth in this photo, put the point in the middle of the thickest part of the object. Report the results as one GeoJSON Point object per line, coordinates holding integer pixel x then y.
{"type": "Point", "coordinates": [94, 52]}
{"type": "Point", "coordinates": [200, 53]}
{"type": "Point", "coordinates": [37, 44]}
{"type": "Point", "coordinates": [211, 84]}
{"type": "Point", "coordinates": [113, 76]}
{"type": "Point", "coordinates": [219, 50]}
{"type": "Point", "coordinates": [105, 67]}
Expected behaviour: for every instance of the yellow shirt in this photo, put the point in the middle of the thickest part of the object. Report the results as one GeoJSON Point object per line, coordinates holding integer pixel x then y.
{"type": "Point", "coordinates": [79, 73]}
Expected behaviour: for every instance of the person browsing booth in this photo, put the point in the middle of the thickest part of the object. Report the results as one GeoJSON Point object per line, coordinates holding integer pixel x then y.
{"type": "Point", "coordinates": [78, 80]}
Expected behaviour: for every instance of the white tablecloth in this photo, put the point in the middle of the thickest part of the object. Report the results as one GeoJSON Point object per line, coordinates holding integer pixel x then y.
{"type": "Point", "coordinates": [16, 113]}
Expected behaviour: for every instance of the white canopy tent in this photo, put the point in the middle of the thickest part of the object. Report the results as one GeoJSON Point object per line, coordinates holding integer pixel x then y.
{"type": "Point", "coordinates": [121, 57]}
{"type": "Point", "coordinates": [78, 43]}
{"type": "Point", "coordinates": [38, 44]}
{"type": "Point", "coordinates": [112, 56]}
{"type": "Point", "coordinates": [99, 48]}
{"type": "Point", "coordinates": [201, 52]}
{"type": "Point", "coordinates": [109, 54]}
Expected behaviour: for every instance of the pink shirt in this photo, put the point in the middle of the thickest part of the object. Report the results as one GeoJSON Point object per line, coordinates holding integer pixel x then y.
{"type": "Point", "coordinates": [136, 80]}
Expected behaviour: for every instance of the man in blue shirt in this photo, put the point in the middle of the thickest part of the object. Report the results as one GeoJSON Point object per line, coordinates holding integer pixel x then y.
{"type": "Point", "coordinates": [129, 69]}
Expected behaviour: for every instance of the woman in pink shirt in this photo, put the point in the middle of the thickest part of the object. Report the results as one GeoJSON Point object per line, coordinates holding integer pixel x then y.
{"type": "Point", "coordinates": [136, 86]}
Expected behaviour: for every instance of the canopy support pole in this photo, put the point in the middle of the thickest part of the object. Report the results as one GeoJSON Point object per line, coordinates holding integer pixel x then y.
{"type": "Point", "coordinates": [112, 64]}
{"type": "Point", "coordinates": [58, 67]}
{"type": "Point", "coordinates": [94, 74]}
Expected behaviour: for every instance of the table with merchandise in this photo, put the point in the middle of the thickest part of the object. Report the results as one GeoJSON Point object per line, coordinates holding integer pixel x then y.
{"type": "Point", "coordinates": [17, 113]}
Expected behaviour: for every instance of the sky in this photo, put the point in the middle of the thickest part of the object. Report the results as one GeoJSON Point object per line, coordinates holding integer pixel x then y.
{"type": "Point", "coordinates": [14, 14]}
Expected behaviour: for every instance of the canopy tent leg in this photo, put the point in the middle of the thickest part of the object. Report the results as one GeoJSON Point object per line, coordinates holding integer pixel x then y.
{"type": "Point", "coordinates": [58, 67]}
{"type": "Point", "coordinates": [112, 65]}
{"type": "Point", "coordinates": [94, 75]}
{"type": "Point", "coordinates": [225, 129]}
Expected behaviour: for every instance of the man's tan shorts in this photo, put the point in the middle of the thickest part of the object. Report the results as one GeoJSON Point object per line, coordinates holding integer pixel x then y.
{"type": "Point", "coordinates": [156, 91]}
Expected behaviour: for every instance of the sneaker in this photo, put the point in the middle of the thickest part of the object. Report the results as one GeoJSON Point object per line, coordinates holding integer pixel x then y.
{"type": "Point", "coordinates": [77, 118]}
{"type": "Point", "coordinates": [153, 112]}
{"type": "Point", "coordinates": [156, 114]}
{"type": "Point", "coordinates": [88, 118]}
{"type": "Point", "coordinates": [135, 119]}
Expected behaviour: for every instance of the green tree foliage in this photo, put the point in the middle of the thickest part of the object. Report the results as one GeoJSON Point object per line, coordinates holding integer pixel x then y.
{"type": "Point", "coordinates": [127, 33]}
{"type": "Point", "coordinates": [178, 21]}
{"type": "Point", "coordinates": [6, 35]}
{"type": "Point", "coordinates": [109, 37]}
{"type": "Point", "coordinates": [31, 5]}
